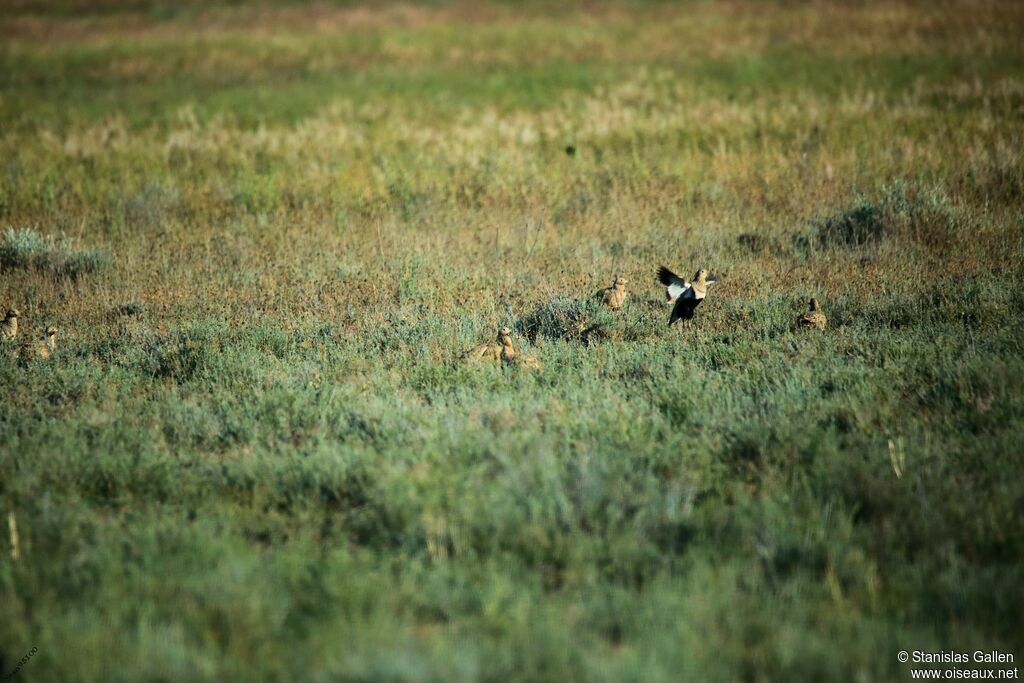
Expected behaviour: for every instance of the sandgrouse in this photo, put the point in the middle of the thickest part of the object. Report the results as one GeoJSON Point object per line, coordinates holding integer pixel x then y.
{"type": "Point", "coordinates": [813, 318]}
{"type": "Point", "coordinates": [493, 351]}
{"type": "Point", "coordinates": [9, 326]}
{"type": "Point", "coordinates": [528, 362]}
{"type": "Point", "coordinates": [42, 348]}
{"type": "Point", "coordinates": [510, 356]}
{"type": "Point", "coordinates": [686, 295]}
{"type": "Point", "coordinates": [613, 297]}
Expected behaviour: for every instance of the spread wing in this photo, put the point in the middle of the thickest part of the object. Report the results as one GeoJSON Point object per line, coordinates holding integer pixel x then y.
{"type": "Point", "coordinates": [674, 284]}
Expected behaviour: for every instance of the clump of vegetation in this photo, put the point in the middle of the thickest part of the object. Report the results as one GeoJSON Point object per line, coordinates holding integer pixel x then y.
{"type": "Point", "coordinates": [28, 249]}
{"type": "Point", "coordinates": [903, 212]}
{"type": "Point", "coordinates": [182, 357]}
{"type": "Point", "coordinates": [579, 321]}
{"type": "Point", "coordinates": [863, 223]}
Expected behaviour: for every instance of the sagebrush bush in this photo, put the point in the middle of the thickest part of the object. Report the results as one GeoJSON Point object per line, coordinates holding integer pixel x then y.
{"type": "Point", "coordinates": [863, 223]}
{"type": "Point", "coordinates": [26, 248]}
{"type": "Point", "coordinates": [903, 212]}
{"type": "Point", "coordinates": [562, 318]}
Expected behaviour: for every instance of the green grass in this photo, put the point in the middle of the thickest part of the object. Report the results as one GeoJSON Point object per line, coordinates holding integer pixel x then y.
{"type": "Point", "coordinates": [266, 238]}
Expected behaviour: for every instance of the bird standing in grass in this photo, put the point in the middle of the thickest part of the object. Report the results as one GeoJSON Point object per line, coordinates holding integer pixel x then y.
{"type": "Point", "coordinates": [42, 348]}
{"type": "Point", "coordinates": [613, 297]}
{"type": "Point", "coordinates": [686, 295]}
{"type": "Point", "coordinates": [493, 351]}
{"type": "Point", "coordinates": [813, 318]}
{"type": "Point", "coordinates": [9, 326]}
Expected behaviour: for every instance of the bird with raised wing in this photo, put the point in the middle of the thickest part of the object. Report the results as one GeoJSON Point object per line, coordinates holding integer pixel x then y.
{"type": "Point", "coordinates": [814, 318]}
{"type": "Point", "coordinates": [9, 326]}
{"type": "Point", "coordinates": [41, 348]}
{"type": "Point", "coordinates": [615, 296]}
{"type": "Point", "coordinates": [686, 295]}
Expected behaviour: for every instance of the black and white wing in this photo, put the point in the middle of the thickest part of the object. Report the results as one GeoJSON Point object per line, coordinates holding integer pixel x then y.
{"type": "Point", "coordinates": [674, 284]}
{"type": "Point", "coordinates": [686, 304]}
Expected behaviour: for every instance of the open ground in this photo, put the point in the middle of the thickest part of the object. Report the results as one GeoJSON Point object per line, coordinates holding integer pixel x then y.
{"type": "Point", "coordinates": [266, 233]}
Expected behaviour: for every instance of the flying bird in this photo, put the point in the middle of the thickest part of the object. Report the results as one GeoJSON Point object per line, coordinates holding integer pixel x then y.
{"type": "Point", "coordinates": [814, 318]}
{"type": "Point", "coordinates": [686, 295]}
{"type": "Point", "coordinates": [9, 326]}
{"type": "Point", "coordinates": [613, 297]}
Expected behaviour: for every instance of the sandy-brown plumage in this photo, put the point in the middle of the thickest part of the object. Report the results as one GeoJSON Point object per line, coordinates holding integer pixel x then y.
{"type": "Point", "coordinates": [503, 350]}
{"type": "Point", "coordinates": [615, 296]}
{"type": "Point", "coordinates": [685, 296]}
{"type": "Point", "coordinates": [41, 348]}
{"type": "Point", "coordinates": [510, 356]}
{"type": "Point", "coordinates": [528, 362]}
{"type": "Point", "coordinates": [493, 351]}
{"type": "Point", "coordinates": [813, 318]}
{"type": "Point", "coordinates": [9, 326]}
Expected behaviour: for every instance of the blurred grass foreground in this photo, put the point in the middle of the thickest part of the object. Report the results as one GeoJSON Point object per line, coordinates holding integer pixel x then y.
{"type": "Point", "coordinates": [266, 232]}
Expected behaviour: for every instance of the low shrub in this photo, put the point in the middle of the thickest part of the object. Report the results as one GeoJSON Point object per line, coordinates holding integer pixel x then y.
{"type": "Point", "coordinates": [28, 249]}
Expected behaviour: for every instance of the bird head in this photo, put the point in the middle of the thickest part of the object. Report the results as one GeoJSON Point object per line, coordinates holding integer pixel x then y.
{"type": "Point", "coordinates": [50, 331]}
{"type": "Point", "coordinates": [620, 281]}
{"type": "Point", "coordinates": [505, 335]}
{"type": "Point", "coordinates": [13, 313]}
{"type": "Point", "coordinates": [701, 275]}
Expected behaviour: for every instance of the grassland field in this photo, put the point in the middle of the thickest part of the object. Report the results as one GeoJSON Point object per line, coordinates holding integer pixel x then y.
{"type": "Point", "coordinates": [266, 233]}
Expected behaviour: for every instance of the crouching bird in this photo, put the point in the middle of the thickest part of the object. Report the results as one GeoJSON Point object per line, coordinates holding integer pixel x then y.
{"type": "Point", "coordinates": [495, 351]}
{"type": "Point", "coordinates": [814, 318]}
{"type": "Point", "coordinates": [42, 348]}
{"type": "Point", "coordinates": [509, 356]}
{"type": "Point", "coordinates": [686, 295]}
{"type": "Point", "coordinates": [527, 362]}
{"type": "Point", "coordinates": [502, 350]}
{"type": "Point", "coordinates": [613, 297]}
